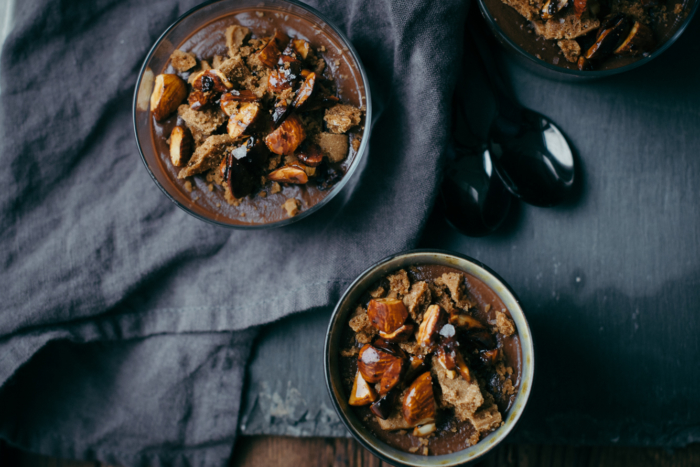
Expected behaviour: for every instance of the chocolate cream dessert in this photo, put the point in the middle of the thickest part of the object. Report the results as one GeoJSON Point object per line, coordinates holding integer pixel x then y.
{"type": "Point", "coordinates": [432, 360]}
{"type": "Point", "coordinates": [257, 116]}
{"type": "Point", "coordinates": [589, 34]}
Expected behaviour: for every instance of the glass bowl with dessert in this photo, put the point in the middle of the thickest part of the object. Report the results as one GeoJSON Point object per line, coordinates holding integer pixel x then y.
{"type": "Point", "coordinates": [252, 114]}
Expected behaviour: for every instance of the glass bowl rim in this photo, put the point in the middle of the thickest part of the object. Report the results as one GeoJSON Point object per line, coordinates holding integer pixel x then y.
{"type": "Point", "coordinates": [493, 25]}
{"type": "Point", "coordinates": [335, 190]}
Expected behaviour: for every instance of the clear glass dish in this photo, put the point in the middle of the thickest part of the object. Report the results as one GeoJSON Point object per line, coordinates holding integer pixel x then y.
{"type": "Point", "coordinates": [556, 72]}
{"type": "Point", "coordinates": [340, 57]}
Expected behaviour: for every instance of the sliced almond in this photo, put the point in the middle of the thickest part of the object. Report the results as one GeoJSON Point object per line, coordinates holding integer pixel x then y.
{"type": "Point", "coordinates": [305, 91]}
{"type": "Point", "coordinates": [181, 146]}
{"type": "Point", "coordinates": [402, 334]}
{"type": "Point", "coordinates": [466, 321]}
{"type": "Point", "coordinates": [362, 393]}
{"type": "Point", "coordinates": [373, 362]}
{"type": "Point", "coordinates": [392, 376]}
{"type": "Point", "coordinates": [289, 174]}
{"type": "Point", "coordinates": [211, 80]}
{"type": "Point", "coordinates": [639, 40]}
{"type": "Point", "coordinates": [168, 93]}
{"type": "Point", "coordinates": [301, 47]}
{"type": "Point", "coordinates": [387, 314]}
{"type": "Point", "coordinates": [243, 119]}
{"type": "Point", "coordinates": [287, 137]}
{"type": "Point", "coordinates": [198, 99]}
{"type": "Point", "coordinates": [432, 322]}
{"type": "Point", "coordinates": [424, 430]}
{"type": "Point", "coordinates": [419, 406]}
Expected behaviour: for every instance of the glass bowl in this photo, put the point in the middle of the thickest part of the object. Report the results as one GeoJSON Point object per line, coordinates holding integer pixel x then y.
{"type": "Point", "coordinates": [334, 342]}
{"type": "Point", "coordinates": [549, 70]}
{"type": "Point", "coordinates": [340, 57]}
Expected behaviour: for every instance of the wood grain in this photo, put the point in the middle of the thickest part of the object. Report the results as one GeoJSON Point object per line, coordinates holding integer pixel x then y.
{"type": "Point", "coordinates": [265, 451]}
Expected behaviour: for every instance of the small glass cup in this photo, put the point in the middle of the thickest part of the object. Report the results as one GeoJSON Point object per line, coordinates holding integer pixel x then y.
{"type": "Point", "coordinates": [194, 21]}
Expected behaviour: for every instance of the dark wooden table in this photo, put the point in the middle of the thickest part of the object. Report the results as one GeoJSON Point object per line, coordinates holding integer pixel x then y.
{"type": "Point", "coordinates": [264, 451]}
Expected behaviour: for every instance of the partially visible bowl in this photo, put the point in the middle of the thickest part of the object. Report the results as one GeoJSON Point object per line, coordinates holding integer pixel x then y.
{"type": "Point", "coordinates": [303, 22]}
{"type": "Point", "coordinates": [334, 342]}
{"type": "Point", "coordinates": [503, 14]}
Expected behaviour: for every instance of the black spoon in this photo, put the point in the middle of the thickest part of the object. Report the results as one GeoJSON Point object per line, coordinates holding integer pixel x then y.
{"type": "Point", "coordinates": [529, 152]}
{"type": "Point", "coordinates": [474, 199]}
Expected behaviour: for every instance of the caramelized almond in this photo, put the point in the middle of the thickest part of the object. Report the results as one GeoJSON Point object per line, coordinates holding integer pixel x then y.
{"type": "Point", "coordinates": [211, 80]}
{"type": "Point", "coordinates": [305, 91]}
{"type": "Point", "coordinates": [310, 154]}
{"type": "Point", "coordinates": [432, 322]}
{"type": "Point", "coordinates": [462, 367]}
{"type": "Point", "coordinates": [243, 119]}
{"type": "Point", "coordinates": [228, 100]}
{"type": "Point", "coordinates": [301, 47]}
{"type": "Point", "coordinates": [580, 7]}
{"type": "Point", "coordinates": [362, 393]}
{"type": "Point", "coordinates": [373, 362]}
{"type": "Point", "coordinates": [419, 404]}
{"type": "Point", "coordinates": [466, 321]}
{"type": "Point", "coordinates": [387, 314]}
{"type": "Point", "coordinates": [402, 334]}
{"type": "Point", "coordinates": [181, 146]}
{"type": "Point", "coordinates": [611, 32]}
{"type": "Point", "coordinates": [287, 137]}
{"type": "Point", "coordinates": [168, 93]}
{"type": "Point", "coordinates": [425, 430]}
{"type": "Point", "coordinates": [198, 99]}
{"type": "Point", "coordinates": [384, 405]}
{"type": "Point", "coordinates": [639, 40]}
{"type": "Point", "coordinates": [289, 173]}
{"type": "Point", "coordinates": [392, 376]}
{"type": "Point", "coordinates": [269, 54]}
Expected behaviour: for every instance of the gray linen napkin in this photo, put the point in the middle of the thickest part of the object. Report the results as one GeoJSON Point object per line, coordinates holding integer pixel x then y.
{"type": "Point", "coordinates": [125, 324]}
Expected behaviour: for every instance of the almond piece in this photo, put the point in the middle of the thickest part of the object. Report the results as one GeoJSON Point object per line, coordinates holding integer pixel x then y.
{"type": "Point", "coordinates": [392, 376]}
{"type": "Point", "coordinates": [639, 40]}
{"type": "Point", "coordinates": [462, 367]}
{"type": "Point", "coordinates": [305, 91]}
{"type": "Point", "coordinates": [610, 34]}
{"type": "Point", "coordinates": [269, 54]}
{"type": "Point", "coordinates": [287, 137]}
{"type": "Point", "coordinates": [580, 7]}
{"type": "Point", "coordinates": [419, 406]}
{"type": "Point", "coordinates": [387, 314]}
{"type": "Point", "coordinates": [181, 146]}
{"type": "Point", "coordinates": [211, 80]}
{"type": "Point", "coordinates": [425, 430]}
{"type": "Point", "coordinates": [552, 7]}
{"type": "Point", "coordinates": [432, 322]}
{"type": "Point", "coordinates": [229, 100]}
{"type": "Point", "coordinates": [301, 47]}
{"type": "Point", "coordinates": [310, 154]}
{"type": "Point", "coordinates": [362, 393]}
{"type": "Point", "coordinates": [402, 334]}
{"type": "Point", "coordinates": [466, 321]}
{"type": "Point", "coordinates": [242, 120]}
{"type": "Point", "coordinates": [168, 93]}
{"type": "Point", "coordinates": [384, 406]}
{"type": "Point", "coordinates": [373, 362]}
{"type": "Point", "coordinates": [198, 99]}
{"type": "Point", "coordinates": [289, 173]}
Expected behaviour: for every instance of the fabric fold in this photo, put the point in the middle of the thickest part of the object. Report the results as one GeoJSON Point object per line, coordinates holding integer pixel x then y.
{"type": "Point", "coordinates": [93, 256]}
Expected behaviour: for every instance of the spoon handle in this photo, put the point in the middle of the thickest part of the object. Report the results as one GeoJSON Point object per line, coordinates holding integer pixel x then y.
{"type": "Point", "coordinates": [506, 103]}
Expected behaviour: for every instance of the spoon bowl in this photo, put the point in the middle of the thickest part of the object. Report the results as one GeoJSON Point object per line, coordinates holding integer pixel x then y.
{"type": "Point", "coordinates": [532, 158]}
{"type": "Point", "coordinates": [475, 200]}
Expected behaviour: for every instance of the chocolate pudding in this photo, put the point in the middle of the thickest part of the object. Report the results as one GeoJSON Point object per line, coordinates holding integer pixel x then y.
{"type": "Point", "coordinates": [589, 34]}
{"type": "Point", "coordinates": [267, 116]}
{"type": "Point", "coordinates": [431, 361]}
